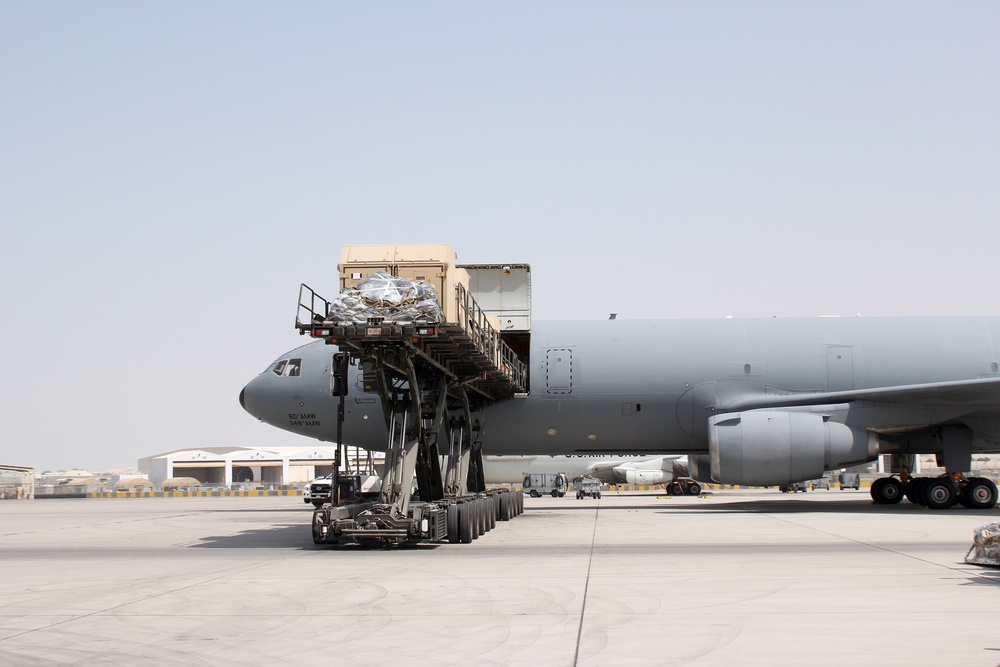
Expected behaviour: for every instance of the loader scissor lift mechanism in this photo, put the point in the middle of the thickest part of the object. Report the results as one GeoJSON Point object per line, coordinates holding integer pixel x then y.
{"type": "Point", "coordinates": [432, 379]}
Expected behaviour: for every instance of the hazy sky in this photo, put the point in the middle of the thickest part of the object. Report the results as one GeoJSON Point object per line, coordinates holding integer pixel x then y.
{"type": "Point", "coordinates": [170, 173]}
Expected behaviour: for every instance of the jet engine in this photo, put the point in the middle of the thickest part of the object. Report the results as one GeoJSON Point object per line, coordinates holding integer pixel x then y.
{"type": "Point", "coordinates": [775, 447]}
{"type": "Point", "coordinates": [623, 475]}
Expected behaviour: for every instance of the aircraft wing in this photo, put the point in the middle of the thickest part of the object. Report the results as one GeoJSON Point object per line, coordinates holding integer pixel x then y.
{"type": "Point", "coordinates": [979, 392]}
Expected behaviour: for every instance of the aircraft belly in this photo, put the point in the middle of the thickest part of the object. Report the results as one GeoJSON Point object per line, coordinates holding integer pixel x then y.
{"type": "Point", "coordinates": [591, 424]}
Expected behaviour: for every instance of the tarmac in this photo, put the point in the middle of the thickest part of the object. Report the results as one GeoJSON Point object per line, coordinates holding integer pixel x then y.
{"type": "Point", "coordinates": [737, 577]}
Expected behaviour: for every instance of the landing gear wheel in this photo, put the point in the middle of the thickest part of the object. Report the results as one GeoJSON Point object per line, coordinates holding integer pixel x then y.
{"type": "Point", "coordinates": [939, 494]}
{"type": "Point", "coordinates": [979, 494]}
{"type": "Point", "coordinates": [694, 489]}
{"type": "Point", "coordinates": [887, 491]}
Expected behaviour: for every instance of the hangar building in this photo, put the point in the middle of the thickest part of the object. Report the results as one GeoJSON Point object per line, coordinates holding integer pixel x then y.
{"type": "Point", "coordinates": [225, 466]}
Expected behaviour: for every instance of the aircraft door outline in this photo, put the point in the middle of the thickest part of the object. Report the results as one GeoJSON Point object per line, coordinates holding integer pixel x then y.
{"type": "Point", "coordinates": [559, 371]}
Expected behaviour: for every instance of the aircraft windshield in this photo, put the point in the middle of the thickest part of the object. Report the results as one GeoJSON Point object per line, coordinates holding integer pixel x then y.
{"type": "Point", "coordinates": [287, 367]}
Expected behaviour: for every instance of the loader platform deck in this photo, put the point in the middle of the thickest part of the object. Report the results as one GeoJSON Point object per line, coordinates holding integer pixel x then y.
{"type": "Point", "coordinates": [469, 352]}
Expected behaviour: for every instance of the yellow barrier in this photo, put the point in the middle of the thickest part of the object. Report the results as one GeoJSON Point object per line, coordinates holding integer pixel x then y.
{"type": "Point", "coordinates": [195, 494]}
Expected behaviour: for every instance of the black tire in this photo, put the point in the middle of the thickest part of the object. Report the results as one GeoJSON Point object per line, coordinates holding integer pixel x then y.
{"type": "Point", "coordinates": [465, 533]}
{"type": "Point", "coordinates": [598, 495]}
{"type": "Point", "coordinates": [484, 517]}
{"type": "Point", "coordinates": [979, 493]}
{"type": "Point", "coordinates": [476, 522]}
{"type": "Point", "coordinates": [939, 493]}
{"type": "Point", "coordinates": [452, 518]}
{"type": "Point", "coordinates": [887, 491]}
{"type": "Point", "coordinates": [534, 494]}
{"type": "Point", "coordinates": [694, 489]}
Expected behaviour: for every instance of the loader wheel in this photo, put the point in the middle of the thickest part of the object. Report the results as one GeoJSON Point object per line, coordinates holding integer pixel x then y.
{"type": "Point", "coordinates": [452, 518]}
{"type": "Point", "coordinates": [465, 523]}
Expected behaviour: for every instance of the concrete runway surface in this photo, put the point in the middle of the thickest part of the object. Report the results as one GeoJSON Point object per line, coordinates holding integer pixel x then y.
{"type": "Point", "coordinates": [747, 577]}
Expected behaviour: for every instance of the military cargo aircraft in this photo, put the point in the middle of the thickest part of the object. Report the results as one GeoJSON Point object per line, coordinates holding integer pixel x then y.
{"type": "Point", "coordinates": [635, 470]}
{"type": "Point", "coordinates": [761, 402]}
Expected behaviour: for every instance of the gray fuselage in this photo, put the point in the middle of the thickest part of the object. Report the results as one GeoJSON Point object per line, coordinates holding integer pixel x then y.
{"type": "Point", "coordinates": [649, 386]}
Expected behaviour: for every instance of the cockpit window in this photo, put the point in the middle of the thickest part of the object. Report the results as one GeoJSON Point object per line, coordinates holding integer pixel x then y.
{"type": "Point", "coordinates": [287, 367]}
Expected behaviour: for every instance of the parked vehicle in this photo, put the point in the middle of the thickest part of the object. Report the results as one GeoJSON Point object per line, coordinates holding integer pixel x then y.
{"type": "Point", "coordinates": [823, 482]}
{"type": "Point", "coordinates": [318, 491]}
{"type": "Point", "coordinates": [850, 480]}
{"type": "Point", "coordinates": [545, 483]}
{"type": "Point", "coordinates": [794, 486]}
{"type": "Point", "coordinates": [587, 487]}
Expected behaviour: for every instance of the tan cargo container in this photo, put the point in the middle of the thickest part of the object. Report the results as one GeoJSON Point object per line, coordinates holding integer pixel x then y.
{"type": "Point", "coordinates": [431, 263]}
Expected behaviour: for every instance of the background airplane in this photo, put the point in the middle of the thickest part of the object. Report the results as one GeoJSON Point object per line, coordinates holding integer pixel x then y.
{"type": "Point", "coordinates": [628, 470]}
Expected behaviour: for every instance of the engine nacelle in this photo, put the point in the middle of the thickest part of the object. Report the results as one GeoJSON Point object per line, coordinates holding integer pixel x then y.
{"type": "Point", "coordinates": [641, 477]}
{"type": "Point", "coordinates": [774, 447]}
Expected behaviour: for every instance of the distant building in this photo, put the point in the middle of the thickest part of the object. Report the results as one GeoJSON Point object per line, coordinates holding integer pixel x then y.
{"type": "Point", "coordinates": [226, 466]}
{"type": "Point", "coordinates": [17, 483]}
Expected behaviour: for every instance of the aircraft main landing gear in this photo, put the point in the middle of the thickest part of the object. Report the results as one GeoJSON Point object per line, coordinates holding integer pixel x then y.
{"type": "Point", "coordinates": [936, 492]}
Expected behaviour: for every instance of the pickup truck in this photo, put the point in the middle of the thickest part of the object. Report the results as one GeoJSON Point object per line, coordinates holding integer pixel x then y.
{"type": "Point", "coordinates": [318, 491]}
